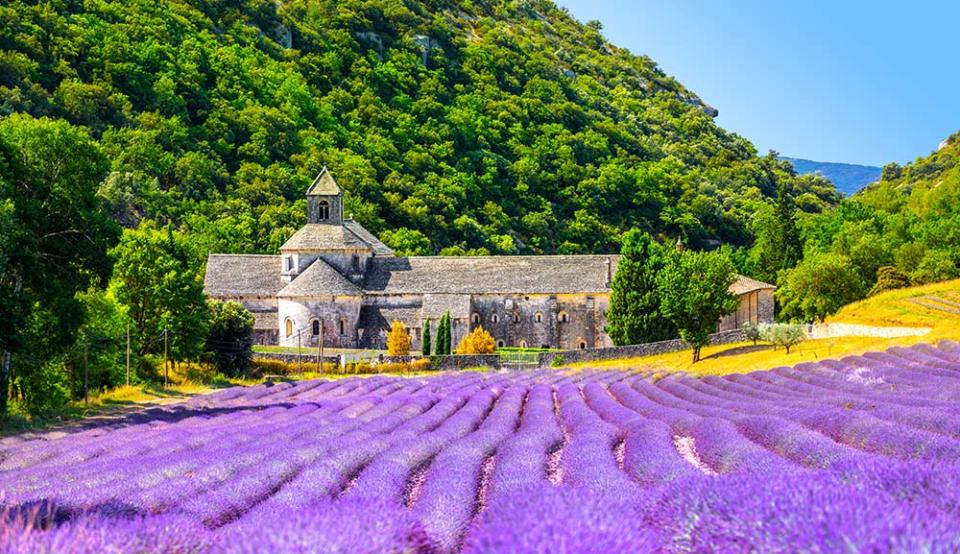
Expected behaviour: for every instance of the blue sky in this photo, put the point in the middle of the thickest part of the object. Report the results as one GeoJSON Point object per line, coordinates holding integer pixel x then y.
{"type": "Point", "coordinates": [845, 81]}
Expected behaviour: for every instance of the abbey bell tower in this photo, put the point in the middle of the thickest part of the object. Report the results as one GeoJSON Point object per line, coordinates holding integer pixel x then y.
{"type": "Point", "coordinates": [325, 200]}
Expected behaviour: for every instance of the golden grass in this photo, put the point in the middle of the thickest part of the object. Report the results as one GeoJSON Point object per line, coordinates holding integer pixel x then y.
{"type": "Point", "coordinates": [910, 307]}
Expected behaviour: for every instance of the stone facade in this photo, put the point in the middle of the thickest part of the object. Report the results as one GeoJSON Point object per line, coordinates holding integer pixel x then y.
{"type": "Point", "coordinates": [334, 278]}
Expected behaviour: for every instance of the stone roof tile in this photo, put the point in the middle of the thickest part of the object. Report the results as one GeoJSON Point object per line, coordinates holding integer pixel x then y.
{"type": "Point", "coordinates": [320, 279]}
{"type": "Point", "coordinates": [489, 275]}
{"type": "Point", "coordinates": [231, 275]}
{"type": "Point", "coordinates": [322, 237]}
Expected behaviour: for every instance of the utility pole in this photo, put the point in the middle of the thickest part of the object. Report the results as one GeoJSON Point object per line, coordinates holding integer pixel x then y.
{"type": "Point", "coordinates": [128, 354]}
{"type": "Point", "coordinates": [321, 345]}
{"type": "Point", "coordinates": [86, 370]}
{"type": "Point", "coordinates": [299, 352]}
{"type": "Point", "coordinates": [165, 364]}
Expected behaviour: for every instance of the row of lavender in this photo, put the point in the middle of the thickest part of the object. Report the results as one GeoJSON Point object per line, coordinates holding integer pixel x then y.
{"type": "Point", "coordinates": [858, 454]}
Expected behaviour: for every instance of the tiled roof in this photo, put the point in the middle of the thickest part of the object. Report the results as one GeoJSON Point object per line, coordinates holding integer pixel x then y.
{"type": "Point", "coordinates": [320, 237]}
{"type": "Point", "coordinates": [324, 185]}
{"type": "Point", "coordinates": [231, 275]}
{"type": "Point", "coordinates": [320, 280]}
{"type": "Point", "coordinates": [743, 285]}
{"type": "Point", "coordinates": [379, 248]}
{"type": "Point", "coordinates": [489, 275]}
{"type": "Point", "coordinates": [379, 317]}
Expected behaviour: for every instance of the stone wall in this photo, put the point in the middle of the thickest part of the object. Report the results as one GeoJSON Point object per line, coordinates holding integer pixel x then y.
{"type": "Point", "coordinates": [634, 351]}
{"type": "Point", "coordinates": [453, 363]}
{"type": "Point", "coordinates": [309, 358]}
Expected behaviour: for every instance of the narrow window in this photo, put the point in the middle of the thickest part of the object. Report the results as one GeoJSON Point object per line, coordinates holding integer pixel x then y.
{"type": "Point", "coordinates": [316, 327]}
{"type": "Point", "coordinates": [495, 318]}
{"type": "Point", "coordinates": [523, 344]}
{"type": "Point", "coordinates": [343, 327]}
{"type": "Point", "coordinates": [516, 318]}
{"type": "Point", "coordinates": [500, 344]}
{"type": "Point", "coordinates": [583, 345]}
{"type": "Point", "coordinates": [562, 317]}
{"type": "Point", "coordinates": [288, 263]}
{"type": "Point", "coordinates": [323, 209]}
{"type": "Point", "coordinates": [288, 327]}
{"type": "Point", "coordinates": [476, 318]}
{"type": "Point", "coordinates": [538, 317]}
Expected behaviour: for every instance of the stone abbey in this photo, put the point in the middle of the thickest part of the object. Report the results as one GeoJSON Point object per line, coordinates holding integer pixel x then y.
{"type": "Point", "coordinates": [334, 279]}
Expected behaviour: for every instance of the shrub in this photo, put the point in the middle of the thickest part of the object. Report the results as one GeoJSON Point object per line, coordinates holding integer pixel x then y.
{"type": "Point", "coordinates": [786, 335]}
{"type": "Point", "coordinates": [398, 339]}
{"type": "Point", "coordinates": [368, 368]}
{"type": "Point", "coordinates": [557, 361]}
{"type": "Point", "coordinates": [477, 342]}
{"type": "Point", "coordinates": [230, 342]}
{"type": "Point", "coordinates": [752, 332]}
{"type": "Point", "coordinates": [889, 278]}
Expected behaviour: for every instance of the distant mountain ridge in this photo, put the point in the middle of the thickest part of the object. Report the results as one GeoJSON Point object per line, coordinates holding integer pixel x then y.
{"type": "Point", "coordinates": [848, 178]}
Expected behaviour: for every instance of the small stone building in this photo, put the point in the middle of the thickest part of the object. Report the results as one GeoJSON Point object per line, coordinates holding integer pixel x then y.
{"type": "Point", "coordinates": [335, 279]}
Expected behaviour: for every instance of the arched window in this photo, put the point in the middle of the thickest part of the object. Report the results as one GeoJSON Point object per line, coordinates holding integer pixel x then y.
{"type": "Point", "coordinates": [343, 327]}
{"type": "Point", "coordinates": [523, 344]}
{"type": "Point", "coordinates": [288, 327]}
{"type": "Point", "coordinates": [500, 344]}
{"type": "Point", "coordinates": [315, 327]}
{"type": "Point", "coordinates": [323, 209]}
{"type": "Point", "coordinates": [562, 317]}
{"type": "Point", "coordinates": [538, 317]}
{"type": "Point", "coordinates": [475, 318]}
{"type": "Point", "coordinates": [495, 318]}
{"type": "Point", "coordinates": [516, 318]}
{"type": "Point", "coordinates": [583, 345]}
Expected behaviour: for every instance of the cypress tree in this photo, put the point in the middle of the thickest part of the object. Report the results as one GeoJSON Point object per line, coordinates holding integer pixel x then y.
{"type": "Point", "coordinates": [443, 336]}
{"type": "Point", "coordinates": [425, 338]}
{"type": "Point", "coordinates": [634, 315]}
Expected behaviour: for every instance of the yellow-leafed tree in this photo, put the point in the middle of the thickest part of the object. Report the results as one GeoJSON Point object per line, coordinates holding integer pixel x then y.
{"type": "Point", "coordinates": [477, 342]}
{"type": "Point", "coordinates": [398, 340]}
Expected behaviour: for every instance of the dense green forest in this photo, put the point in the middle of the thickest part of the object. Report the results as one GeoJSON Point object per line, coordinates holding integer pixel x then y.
{"type": "Point", "coordinates": [454, 126]}
{"type": "Point", "coordinates": [902, 230]}
{"type": "Point", "coordinates": [137, 136]}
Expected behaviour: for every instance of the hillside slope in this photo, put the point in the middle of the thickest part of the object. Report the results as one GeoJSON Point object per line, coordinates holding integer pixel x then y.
{"type": "Point", "coordinates": [934, 307]}
{"type": "Point", "coordinates": [454, 126]}
{"type": "Point", "coordinates": [848, 178]}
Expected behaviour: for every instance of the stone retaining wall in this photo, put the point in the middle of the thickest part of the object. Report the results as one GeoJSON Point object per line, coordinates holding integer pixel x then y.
{"type": "Point", "coordinates": [635, 350]}
{"type": "Point", "coordinates": [453, 363]}
{"type": "Point", "coordinates": [307, 358]}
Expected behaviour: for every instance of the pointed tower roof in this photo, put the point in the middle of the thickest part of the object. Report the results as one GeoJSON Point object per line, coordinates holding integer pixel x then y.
{"type": "Point", "coordinates": [324, 185]}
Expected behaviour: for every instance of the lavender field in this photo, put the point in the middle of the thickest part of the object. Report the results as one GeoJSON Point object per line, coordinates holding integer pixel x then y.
{"type": "Point", "coordinates": [856, 455]}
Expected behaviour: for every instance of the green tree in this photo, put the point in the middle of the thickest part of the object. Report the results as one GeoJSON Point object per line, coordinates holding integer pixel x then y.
{"type": "Point", "coordinates": [820, 285]}
{"type": "Point", "coordinates": [695, 294]}
{"type": "Point", "coordinates": [634, 314]}
{"type": "Point", "coordinates": [161, 292]}
{"type": "Point", "coordinates": [425, 338]}
{"type": "Point", "coordinates": [104, 337]}
{"type": "Point", "coordinates": [443, 336]}
{"type": "Point", "coordinates": [54, 234]}
{"type": "Point", "coordinates": [230, 340]}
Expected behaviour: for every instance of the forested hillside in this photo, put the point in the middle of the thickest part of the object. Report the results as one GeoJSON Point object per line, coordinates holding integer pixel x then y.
{"type": "Point", "coordinates": [454, 126]}
{"type": "Point", "coordinates": [902, 230]}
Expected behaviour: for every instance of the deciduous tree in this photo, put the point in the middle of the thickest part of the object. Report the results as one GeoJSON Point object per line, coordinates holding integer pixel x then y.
{"type": "Point", "coordinates": [695, 293]}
